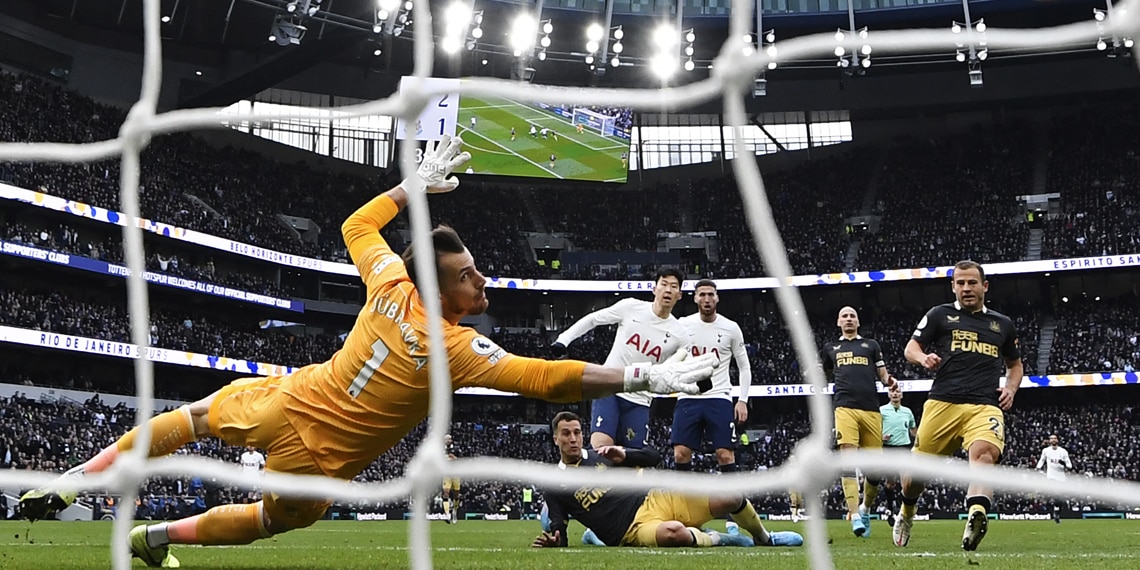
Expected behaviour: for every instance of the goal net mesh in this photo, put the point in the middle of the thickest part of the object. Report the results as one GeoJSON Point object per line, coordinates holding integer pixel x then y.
{"type": "Point", "coordinates": [814, 466]}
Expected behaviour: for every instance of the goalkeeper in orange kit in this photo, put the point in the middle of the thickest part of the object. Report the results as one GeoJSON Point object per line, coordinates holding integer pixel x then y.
{"type": "Point", "coordinates": [334, 418]}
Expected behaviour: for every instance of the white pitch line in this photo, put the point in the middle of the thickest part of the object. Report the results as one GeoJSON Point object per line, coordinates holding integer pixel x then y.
{"type": "Point", "coordinates": [553, 173]}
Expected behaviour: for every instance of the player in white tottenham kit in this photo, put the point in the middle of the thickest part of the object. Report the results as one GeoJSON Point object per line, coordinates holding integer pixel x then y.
{"type": "Point", "coordinates": [647, 332]}
{"type": "Point", "coordinates": [252, 461]}
{"type": "Point", "coordinates": [712, 415]}
{"type": "Point", "coordinates": [1055, 459]}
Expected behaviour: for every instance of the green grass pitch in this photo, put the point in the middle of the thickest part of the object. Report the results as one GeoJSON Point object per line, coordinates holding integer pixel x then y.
{"type": "Point", "coordinates": [580, 156]}
{"type": "Point", "coordinates": [486, 545]}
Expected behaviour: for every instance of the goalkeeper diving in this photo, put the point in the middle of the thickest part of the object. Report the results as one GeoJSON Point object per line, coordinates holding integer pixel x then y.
{"type": "Point", "coordinates": [336, 417]}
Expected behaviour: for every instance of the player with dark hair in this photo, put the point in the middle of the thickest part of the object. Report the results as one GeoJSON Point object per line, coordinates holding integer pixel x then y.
{"type": "Point", "coordinates": [658, 518]}
{"type": "Point", "coordinates": [336, 417]}
{"type": "Point", "coordinates": [647, 331]}
{"type": "Point", "coordinates": [855, 363]}
{"type": "Point", "coordinates": [970, 347]}
{"type": "Point", "coordinates": [712, 415]}
{"type": "Point", "coordinates": [1055, 460]}
{"type": "Point", "coordinates": [553, 159]}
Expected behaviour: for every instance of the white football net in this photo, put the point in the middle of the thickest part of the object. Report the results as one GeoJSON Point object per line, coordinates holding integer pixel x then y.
{"type": "Point", "coordinates": [814, 467]}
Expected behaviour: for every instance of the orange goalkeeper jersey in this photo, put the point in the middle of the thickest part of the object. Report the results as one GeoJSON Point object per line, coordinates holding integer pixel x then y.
{"type": "Point", "coordinates": [353, 407]}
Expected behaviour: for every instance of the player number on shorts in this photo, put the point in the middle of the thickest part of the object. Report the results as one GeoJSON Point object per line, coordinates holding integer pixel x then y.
{"type": "Point", "coordinates": [995, 426]}
{"type": "Point", "coordinates": [380, 353]}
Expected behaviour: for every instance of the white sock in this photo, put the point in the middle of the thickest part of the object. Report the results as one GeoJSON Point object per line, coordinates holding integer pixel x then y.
{"type": "Point", "coordinates": [156, 535]}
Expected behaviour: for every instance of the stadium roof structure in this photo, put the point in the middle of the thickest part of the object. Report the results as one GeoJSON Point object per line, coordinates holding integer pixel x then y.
{"type": "Point", "coordinates": [233, 37]}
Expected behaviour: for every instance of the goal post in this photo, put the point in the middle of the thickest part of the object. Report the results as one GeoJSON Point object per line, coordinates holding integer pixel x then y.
{"type": "Point", "coordinates": [604, 124]}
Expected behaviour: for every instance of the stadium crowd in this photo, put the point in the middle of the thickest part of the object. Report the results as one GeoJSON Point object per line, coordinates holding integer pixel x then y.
{"type": "Point", "coordinates": [72, 312]}
{"type": "Point", "coordinates": [55, 435]}
{"type": "Point", "coordinates": [976, 175]}
{"type": "Point", "coordinates": [1094, 335]}
{"type": "Point", "coordinates": [950, 198]}
{"type": "Point", "coordinates": [68, 239]}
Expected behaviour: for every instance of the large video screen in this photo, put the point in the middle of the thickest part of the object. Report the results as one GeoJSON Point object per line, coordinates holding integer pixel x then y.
{"type": "Point", "coordinates": [513, 138]}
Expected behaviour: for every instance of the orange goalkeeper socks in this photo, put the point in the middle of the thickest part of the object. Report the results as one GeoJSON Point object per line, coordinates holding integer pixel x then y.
{"type": "Point", "coordinates": [223, 525]}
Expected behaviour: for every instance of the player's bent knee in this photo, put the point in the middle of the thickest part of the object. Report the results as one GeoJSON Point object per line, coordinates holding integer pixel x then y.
{"type": "Point", "coordinates": [682, 454]}
{"type": "Point", "coordinates": [725, 456]}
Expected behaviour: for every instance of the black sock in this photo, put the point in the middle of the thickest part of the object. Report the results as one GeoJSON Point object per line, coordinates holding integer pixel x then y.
{"type": "Point", "coordinates": [910, 501]}
{"type": "Point", "coordinates": [982, 500]}
{"type": "Point", "coordinates": [727, 468]}
{"type": "Point", "coordinates": [683, 466]}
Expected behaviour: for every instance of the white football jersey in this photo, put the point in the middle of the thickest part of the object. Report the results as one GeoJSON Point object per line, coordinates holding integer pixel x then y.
{"type": "Point", "coordinates": [1055, 460]}
{"type": "Point", "coordinates": [723, 338]}
{"type": "Point", "coordinates": [252, 461]}
{"type": "Point", "coordinates": [641, 337]}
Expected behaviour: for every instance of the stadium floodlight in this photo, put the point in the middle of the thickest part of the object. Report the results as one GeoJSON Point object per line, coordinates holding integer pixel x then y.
{"type": "Point", "coordinates": [470, 45]}
{"type": "Point", "coordinates": [689, 65]}
{"type": "Point", "coordinates": [689, 50]}
{"type": "Point", "coordinates": [863, 33]}
{"type": "Point", "coordinates": [663, 65]}
{"type": "Point", "coordinates": [618, 33]}
{"type": "Point", "coordinates": [1128, 42]}
{"type": "Point", "coordinates": [457, 16]}
{"type": "Point", "coordinates": [589, 60]}
{"type": "Point", "coordinates": [408, 6]}
{"type": "Point", "coordinates": [376, 52]}
{"type": "Point", "coordinates": [956, 28]}
{"type": "Point", "coordinates": [771, 50]}
{"type": "Point", "coordinates": [983, 54]}
{"type": "Point", "coordinates": [477, 33]}
{"type": "Point", "coordinates": [592, 46]}
{"type": "Point", "coordinates": [665, 37]}
{"type": "Point", "coordinates": [545, 41]}
{"type": "Point", "coordinates": [450, 44]}
{"type": "Point", "coordinates": [615, 61]}
{"type": "Point", "coordinates": [770, 37]}
{"type": "Point", "coordinates": [523, 31]}
{"type": "Point", "coordinates": [747, 38]}
{"type": "Point", "coordinates": [618, 47]}
{"type": "Point", "coordinates": [165, 19]}
{"type": "Point", "coordinates": [772, 65]}
{"type": "Point", "coordinates": [839, 51]}
{"type": "Point", "coordinates": [690, 36]}
{"type": "Point", "coordinates": [839, 35]}
{"type": "Point", "coordinates": [866, 62]}
{"type": "Point", "coordinates": [981, 27]}
{"type": "Point", "coordinates": [291, 7]}
{"type": "Point", "coordinates": [542, 55]}
{"type": "Point", "coordinates": [388, 5]}
{"type": "Point", "coordinates": [594, 32]}
{"type": "Point", "coordinates": [1101, 45]}
{"type": "Point", "coordinates": [377, 28]}
{"type": "Point", "coordinates": [866, 49]}
{"type": "Point", "coordinates": [382, 15]}
{"type": "Point", "coordinates": [1098, 14]}
{"type": "Point", "coordinates": [547, 27]}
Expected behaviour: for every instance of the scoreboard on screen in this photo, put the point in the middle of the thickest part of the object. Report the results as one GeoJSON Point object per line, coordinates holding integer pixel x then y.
{"type": "Point", "coordinates": [437, 118]}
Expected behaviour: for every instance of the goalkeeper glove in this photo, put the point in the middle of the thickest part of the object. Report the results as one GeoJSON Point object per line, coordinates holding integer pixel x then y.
{"type": "Point", "coordinates": [439, 160]}
{"type": "Point", "coordinates": [677, 374]}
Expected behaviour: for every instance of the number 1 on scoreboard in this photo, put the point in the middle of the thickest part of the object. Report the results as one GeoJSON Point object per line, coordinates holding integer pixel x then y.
{"type": "Point", "coordinates": [438, 117]}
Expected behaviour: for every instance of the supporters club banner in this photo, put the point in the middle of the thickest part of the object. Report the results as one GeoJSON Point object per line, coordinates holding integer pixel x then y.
{"type": "Point", "coordinates": [104, 268]}
{"type": "Point", "coordinates": [72, 343]}
{"type": "Point", "coordinates": [58, 204]}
